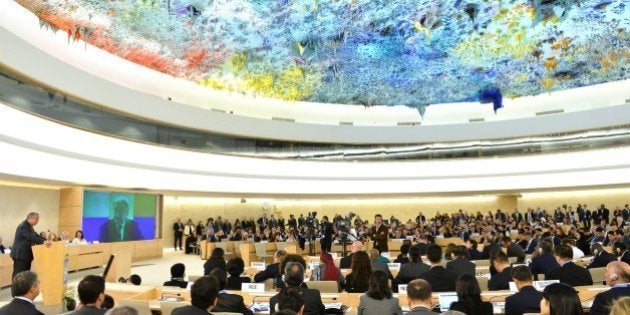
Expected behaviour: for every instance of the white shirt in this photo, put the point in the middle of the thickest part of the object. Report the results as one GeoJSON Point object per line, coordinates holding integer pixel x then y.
{"type": "Point", "coordinates": [577, 253]}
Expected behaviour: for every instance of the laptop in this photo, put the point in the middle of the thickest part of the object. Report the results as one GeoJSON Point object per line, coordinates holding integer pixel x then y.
{"type": "Point", "coordinates": [445, 300]}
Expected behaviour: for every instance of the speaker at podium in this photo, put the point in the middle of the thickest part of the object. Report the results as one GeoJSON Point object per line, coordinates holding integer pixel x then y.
{"type": "Point", "coordinates": [51, 265]}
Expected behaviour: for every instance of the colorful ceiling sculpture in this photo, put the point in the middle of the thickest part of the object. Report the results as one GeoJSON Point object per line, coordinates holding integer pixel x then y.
{"type": "Point", "coordinates": [368, 52]}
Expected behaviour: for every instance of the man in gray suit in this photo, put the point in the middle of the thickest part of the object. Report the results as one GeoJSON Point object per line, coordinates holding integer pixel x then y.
{"type": "Point", "coordinates": [25, 238]}
{"type": "Point", "coordinates": [377, 265]}
{"type": "Point", "coordinates": [419, 298]}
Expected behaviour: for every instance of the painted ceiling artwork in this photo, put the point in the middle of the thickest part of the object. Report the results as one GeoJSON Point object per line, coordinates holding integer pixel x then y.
{"type": "Point", "coordinates": [368, 52]}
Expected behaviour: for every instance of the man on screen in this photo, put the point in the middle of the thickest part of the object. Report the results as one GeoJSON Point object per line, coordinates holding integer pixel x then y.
{"type": "Point", "coordinates": [120, 228]}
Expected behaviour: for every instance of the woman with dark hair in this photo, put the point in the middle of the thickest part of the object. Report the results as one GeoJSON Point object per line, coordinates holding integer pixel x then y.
{"type": "Point", "coordinates": [235, 268]}
{"type": "Point", "coordinates": [216, 260]}
{"type": "Point", "coordinates": [79, 239]}
{"type": "Point", "coordinates": [327, 271]}
{"type": "Point", "coordinates": [469, 297]}
{"type": "Point", "coordinates": [560, 299]}
{"type": "Point", "coordinates": [379, 299]}
{"type": "Point", "coordinates": [357, 281]}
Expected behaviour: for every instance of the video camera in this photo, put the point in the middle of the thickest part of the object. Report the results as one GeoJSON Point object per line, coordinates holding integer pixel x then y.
{"type": "Point", "coordinates": [309, 222]}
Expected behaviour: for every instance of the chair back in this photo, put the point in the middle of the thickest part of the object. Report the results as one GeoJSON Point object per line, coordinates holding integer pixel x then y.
{"type": "Point", "coordinates": [193, 278]}
{"type": "Point", "coordinates": [598, 274]}
{"type": "Point", "coordinates": [261, 249]}
{"type": "Point", "coordinates": [324, 286]}
{"type": "Point", "coordinates": [141, 306]}
{"type": "Point", "coordinates": [483, 283]}
{"type": "Point", "coordinates": [168, 307]}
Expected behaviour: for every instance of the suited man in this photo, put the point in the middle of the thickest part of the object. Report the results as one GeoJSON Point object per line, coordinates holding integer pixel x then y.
{"type": "Point", "coordinates": [461, 264]}
{"type": "Point", "coordinates": [419, 298]}
{"type": "Point", "coordinates": [272, 271]}
{"type": "Point", "coordinates": [471, 246]}
{"type": "Point", "coordinates": [604, 214]}
{"type": "Point", "coordinates": [530, 247]}
{"type": "Point", "coordinates": [501, 279]}
{"type": "Point", "coordinates": [178, 271]}
{"type": "Point", "coordinates": [490, 247]}
{"type": "Point", "coordinates": [24, 288]}
{"type": "Point", "coordinates": [517, 216]}
{"type": "Point", "coordinates": [91, 294]}
{"type": "Point", "coordinates": [442, 279]}
{"type": "Point", "coordinates": [545, 262]}
{"type": "Point", "coordinates": [120, 228]}
{"type": "Point", "coordinates": [25, 237]}
{"type": "Point", "coordinates": [178, 230]}
{"type": "Point", "coordinates": [618, 278]}
{"type": "Point", "coordinates": [327, 234]}
{"type": "Point", "coordinates": [513, 250]}
{"type": "Point", "coordinates": [263, 222]}
{"type": "Point", "coordinates": [601, 258]}
{"type": "Point", "coordinates": [411, 270]}
{"type": "Point", "coordinates": [377, 265]}
{"type": "Point", "coordinates": [294, 277]}
{"type": "Point", "coordinates": [380, 233]}
{"type": "Point", "coordinates": [203, 297]}
{"type": "Point", "coordinates": [226, 302]}
{"type": "Point", "coordinates": [346, 262]}
{"type": "Point", "coordinates": [569, 272]}
{"type": "Point", "coordinates": [527, 299]}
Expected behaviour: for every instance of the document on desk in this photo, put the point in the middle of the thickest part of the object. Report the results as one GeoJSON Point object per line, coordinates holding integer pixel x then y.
{"type": "Point", "coordinates": [336, 305]}
{"type": "Point", "coordinates": [260, 308]}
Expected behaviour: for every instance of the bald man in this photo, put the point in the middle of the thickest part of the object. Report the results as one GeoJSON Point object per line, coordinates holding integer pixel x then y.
{"type": "Point", "coordinates": [618, 278]}
{"type": "Point", "coordinates": [346, 262]}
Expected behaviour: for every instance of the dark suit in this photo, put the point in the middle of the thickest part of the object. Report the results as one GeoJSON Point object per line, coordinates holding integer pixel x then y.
{"type": "Point", "coordinates": [420, 310]}
{"type": "Point", "coordinates": [346, 262]}
{"type": "Point", "coordinates": [19, 306]}
{"type": "Point", "coordinates": [89, 310]}
{"type": "Point", "coordinates": [232, 303]}
{"type": "Point", "coordinates": [483, 308]}
{"type": "Point", "coordinates": [461, 266]}
{"type": "Point", "coordinates": [409, 272]}
{"type": "Point", "coordinates": [603, 300]}
{"type": "Point", "coordinates": [488, 250]}
{"type": "Point", "coordinates": [527, 300]}
{"type": "Point", "coordinates": [474, 254]}
{"type": "Point", "coordinates": [440, 279]}
{"type": "Point", "coordinates": [312, 302]}
{"type": "Point", "coordinates": [379, 236]}
{"type": "Point", "coordinates": [189, 310]}
{"type": "Point", "coordinates": [234, 283]}
{"type": "Point", "coordinates": [327, 233]}
{"type": "Point", "coordinates": [21, 252]}
{"type": "Point", "coordinates": [379, 266]}
{"type": "Point", "coordinates": [601, 260]}
{"type": "Point", "coordinates": [516, 251]}
{"type": "Point", "coordinates": [500, 280]}
{"type": "Point", "coordinates": [212, 263]}
{"type": "Point", "coordinates": [531, 246]}
{"type": "Point", "coordinates": [111, 232]}
{"type": "Point", "coordinates": [422, 247]}
{"type": "Point", "coordinates": [271, 272]}
{"type": "Point", "coordinates": [571, 274]}
{"type": "Point", "coordinates": [543, 264]}
{"type": "Point", "coordinates": [176, 283]}
{"type": "Point", "coordinates": [178, 229]}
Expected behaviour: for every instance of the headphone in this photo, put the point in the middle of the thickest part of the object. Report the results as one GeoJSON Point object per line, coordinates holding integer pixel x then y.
{"type": "Point", "coordinates": [540, 250]}
{"type": "Point", "coordinates": [614, 276]}
{"type": "Point", "coordinates": [595, 251]}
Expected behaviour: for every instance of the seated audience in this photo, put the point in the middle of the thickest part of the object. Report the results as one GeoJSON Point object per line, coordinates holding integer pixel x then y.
{"type": "Point", "coordinates": [235, 268]}
{"type": "Point", "coordinates": [601, 257]}
{"type": "Point", "coordinates": [379, 299]}
{"type": "Point", "coordinates": [294, 277]}
{"type": "Point", "coordinates": [569, 272]}
{"type": "Point", "coordinates": [513, 250]}
{"type": "Point", "coordinates": [471, 246]}
{"type": "Point", "coordinates": [500, 280]}
{"type": "Point", "coordinates": [489, 247]}
{"type": "Point", "coordinates": [203, 297]}
{"type": "Point", "coordinates": [91, 295]}
{"type": "Point", "coordinates": [527, 299]}
{"type": "Point", "coordinates": [560, 299]}
{"type": "Point", "coordinates": [327, 271]}
{"type": "Point", "coordinates": [134, 279]}
{"type": "Point", "coordinates": [178, 272]}
{"type": "Point", "coordinates": [216, 260]}
{"type": "Point", "coordinates": [108, 302]}
{"type": "Point", "coordinates": [441, 279]}
{"type": "Point", "coordinates": [226, 302]}
{"type": "Point", "coordinates": [272, 271]}
{"type": "Point", "coordinates": [622, 252]}
{"type": "Point", "coordinates": [79, 239]}
{"type": "Point", "coordinates": [291, 299]}
{"type": "Point", "coordinates": [357, 281]}
{"type": "Point", "coordinates": [402, 258]}
{"type": "Point", "coordinates": [419, 298]}
{"type": "Point", "coordinates": [621, 306]}
{"type": "Point", "coordinates": [577, 253]}
{"type": "Point", "coordinates": [346, 262]}
{"type": "Point", "coordinates": [469, 297]}
{"type": "Point", "coordinates": [545, 262]}
{"type": "Point", "coordinates": [24, 289]}
{"type": "Point", "coordinates": [377, 264]}
{"type": "Point", "coordinates": [123, 310]}
{"type": "Point", "coordinates": [411, 270]}
{"type": "Point", "coordinates": [460, 262]}
{"type": "Point", "coordinates": [618, 278]}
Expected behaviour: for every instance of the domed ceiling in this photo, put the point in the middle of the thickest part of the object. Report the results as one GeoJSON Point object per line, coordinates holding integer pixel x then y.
{"type": "Point", "coordinates": [361, 51]}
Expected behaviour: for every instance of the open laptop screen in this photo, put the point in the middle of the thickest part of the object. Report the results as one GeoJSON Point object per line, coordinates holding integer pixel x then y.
{"type": "Point", "coordinates": [445, 300]}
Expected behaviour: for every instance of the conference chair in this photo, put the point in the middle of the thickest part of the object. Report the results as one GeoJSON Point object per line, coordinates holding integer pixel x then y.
{"type": "Point", "coordinates": [483, 283]}
{"type": "Point", "coordinates": [324, 286]}
{"type": "Point", "coordinates": [598, 275]}
{"type": "Point", "coordinates": [141, 306]}
{"type": "Point", "coordinates": [193, 278]}
{"type": "Point", "coordinates": [168, 307]}
{"type": "Point", "coordinates": [261, 252]}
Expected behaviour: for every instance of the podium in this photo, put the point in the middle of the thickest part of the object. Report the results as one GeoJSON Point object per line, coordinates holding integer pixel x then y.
{"type": "Point", "coordinates": [51, 266]}
{"type": "Point", "coordinates": [120, 267]}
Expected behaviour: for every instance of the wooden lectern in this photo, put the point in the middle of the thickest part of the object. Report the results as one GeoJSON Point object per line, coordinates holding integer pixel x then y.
{"type": "Point", "coordinates": [120, 267]}
{"type": "Point", "coordinates": [51, 266]}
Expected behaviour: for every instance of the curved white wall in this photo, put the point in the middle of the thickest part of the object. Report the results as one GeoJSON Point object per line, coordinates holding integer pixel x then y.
{"type": "Point", "coordinates": [37, 148]}
{"type": "Point", "coordinates": [106, 80]}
